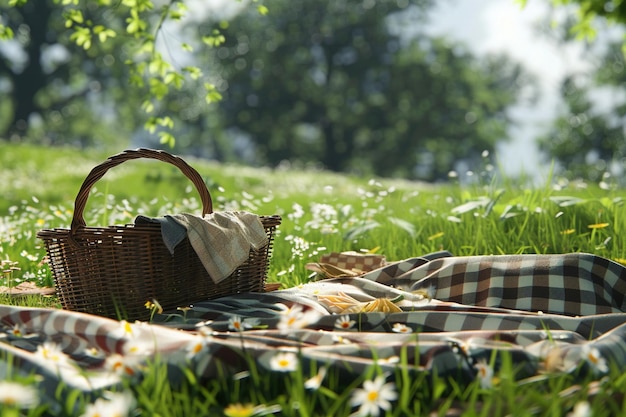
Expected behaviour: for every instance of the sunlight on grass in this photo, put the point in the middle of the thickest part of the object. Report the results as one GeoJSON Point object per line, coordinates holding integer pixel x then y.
{"type": "Point", "coordinates": [323, 212]}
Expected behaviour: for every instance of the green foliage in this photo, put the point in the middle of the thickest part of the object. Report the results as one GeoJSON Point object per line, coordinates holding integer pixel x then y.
{"type": "Point", "coordinates": [587, 139]}
{"type": "Point", "coordinates": [325, 212]}
{"type": "Point", "coordinates": [340, 84]}
{"type": "Point", "coordinates": [588, 12]}
{"type": "Point", "coordinates": [105, 46]}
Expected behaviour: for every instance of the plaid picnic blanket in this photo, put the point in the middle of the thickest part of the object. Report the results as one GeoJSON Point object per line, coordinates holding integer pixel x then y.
{"type": "Point", "coordinates": [551, 313]}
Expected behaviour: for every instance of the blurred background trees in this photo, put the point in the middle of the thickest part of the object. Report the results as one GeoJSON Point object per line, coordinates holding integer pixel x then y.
{"type": "Point", "coordinates": [357, 87]}
{"type": "Point", "coordinates": [588, 138]}
{"type": "Point", "coordinates": [351, 86]}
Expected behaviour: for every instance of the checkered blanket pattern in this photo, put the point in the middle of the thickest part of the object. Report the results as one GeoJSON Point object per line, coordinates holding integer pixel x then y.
{"type": "Point", "coordinates": [524, 304]}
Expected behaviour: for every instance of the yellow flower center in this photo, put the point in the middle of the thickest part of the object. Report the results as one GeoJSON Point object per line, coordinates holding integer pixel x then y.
{"type": "Point", "coordinates": [593, 358]}
{"type": "Point", "coordinates": [283, 363]}
{"type": "Point", "coordinates": [239, 410]}
{"type": "Point", "coordinates": [372, 396]}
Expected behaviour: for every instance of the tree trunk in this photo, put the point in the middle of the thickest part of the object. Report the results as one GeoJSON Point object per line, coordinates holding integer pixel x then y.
{"type": "Point", "coordinates": [27, 84]}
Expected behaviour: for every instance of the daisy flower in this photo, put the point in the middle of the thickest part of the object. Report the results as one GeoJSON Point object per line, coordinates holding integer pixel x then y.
{"type": "Point", "coordinates": [138, 347]}
{"type": "Point", "coordinates": [295, 318]}
{"type": "Point", "coordinates": [401, 328]}
{"type": "Point", "coordinates": [373, 397]}
{"type": "Point", "coordinates": [113, 404]}
{"type": "Point", "coordinates": [484, 373]}
{"type": "Point", "coordinates": [17, 330]}
{"type": "Point", "coordinates": [52, 352]}
{"type": "Point", "coordinates": [238, 324]}
{"type": "Point", "coordinates": [344, 323]}
{"type": "Point", "coordinates": [122, 365]}
{"type": "Point", "coordinates": [593, 356]}
{"type": "Point", "coordinates": [315, 381]}
{"type": "Point", "coordinates": [284, 362]}
{"type": "Point", "coordinates": [13, 394]}
{"type": "Point", "coordinates": [195, 346]}
{"type": "Point", "coordinates": [125, 329]}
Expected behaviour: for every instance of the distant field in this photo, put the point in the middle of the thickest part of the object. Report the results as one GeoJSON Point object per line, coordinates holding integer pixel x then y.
{"type": "Point", "coordinates": [321, 211]}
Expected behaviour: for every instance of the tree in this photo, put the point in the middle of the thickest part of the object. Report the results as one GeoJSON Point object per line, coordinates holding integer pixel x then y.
{"type": "Point", "coordinates": [85, 63]}
{"type": "Point", "coordinates": [585, 142]}
{"type": "Point", "coordinates": [339, 82]}
{"type": "Point", "coordinates": [588, 139]}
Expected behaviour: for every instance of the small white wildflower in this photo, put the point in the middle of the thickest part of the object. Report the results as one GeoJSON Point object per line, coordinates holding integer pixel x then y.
{"type": "Point", "coordinates": [125, 329]}
{"type": "Point", "coordinates": [238, 324]}
{"type": "Point", "coordinates": [593, 356]}
{"type": "Point", "coordinates": [284, 362]}
{"type": "Point", "coordinates": [374, 396]}
{"type": "Point", "coordinates": [14, 394]}
{"type": "Point", "coordinates": [484, 374]}
{"type": "Point", "coordinates": [112, 404]}
{"type": "Point", "coordinates": [401, 328]}
{"type": "Point", "coordinates": [122, 365]}
{"type": "Point", "coordinates": [315, 381]}
{"type": "Point", "coordinates": [295, 318]}
{"type": "Point", "coordinates": [195, 346]}
{"type": "Point", "coordinates": [17, 330]}
{"type": "Point", "coordinates": [344, 323]}
{"type": "Point", "coordinates": [52, 352]}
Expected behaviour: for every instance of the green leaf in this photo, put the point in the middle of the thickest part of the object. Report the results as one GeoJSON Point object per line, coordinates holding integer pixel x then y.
{"type": "Point", "coordinates": [147, 106]}
{"type": "Point", "coordinates": [193, 71]}
{"type": "Point", "coordinates": [212, 94]}
{"type": "Point", "coordinates": [158, 88]}
{"type": "Point", "coordinates": [82, 37]}
{"type": "Point", "coordinates": [6, 33]}
{"type": "Point", "coordinates": [263, 10]}
{"type": "Point", "coordinates": [215, 39]}
{"type": "Point", "coordinates": [167, 138]}
{"type": "Point", "coordinates": [103, 33]}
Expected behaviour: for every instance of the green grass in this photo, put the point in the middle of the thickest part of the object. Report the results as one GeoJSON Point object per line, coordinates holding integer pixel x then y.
{"type": "Point", "coordinates": [325, 212]}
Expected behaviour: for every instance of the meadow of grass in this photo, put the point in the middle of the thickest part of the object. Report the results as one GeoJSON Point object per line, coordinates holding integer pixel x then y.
{"type": "Point", "coordinates": [323, 212]}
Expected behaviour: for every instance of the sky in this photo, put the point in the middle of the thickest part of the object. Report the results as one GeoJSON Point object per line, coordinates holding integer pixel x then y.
{"type": "Point", "coordinates": [489, 26]}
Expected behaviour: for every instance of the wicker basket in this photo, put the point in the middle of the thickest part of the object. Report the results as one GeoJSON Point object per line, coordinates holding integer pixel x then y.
{"type": "Point", "coordinates": [113, 271]}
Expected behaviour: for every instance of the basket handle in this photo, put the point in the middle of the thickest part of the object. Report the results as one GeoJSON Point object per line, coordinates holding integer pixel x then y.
{"type": "Point", "coordinates": [98, 172]}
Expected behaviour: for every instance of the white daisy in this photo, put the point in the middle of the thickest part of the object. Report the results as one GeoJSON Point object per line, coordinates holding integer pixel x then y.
{"type": "Point", "coordinates": [593, 356]}
{"type": "Point", "coordinates": [484, 373]}
{"type": "Point", "coordinates": [295, 318]}
{"type": "Point", "coordinates": [14, 394]}
{"type": "Point", "coordinates": [52, 352]}
{"type": "Point", "coordinates": [344, 323]}
{"type": "Point", "coordinates": [122, 365]}
{"type": "Point", "coordinates": [116, 404]}
{"type": "Point", "coordinates": [238, 324]}
{"type": "Point", "coordinates": [195, 346]}
{"type": "Point", "coordinates": [401, 328]}
{"type": "Point", "coordinates": [315, 381]}
{"type": "Point", "coordinates": [374, 396]}
{"type": "Point", "coordinates": [284, 362]}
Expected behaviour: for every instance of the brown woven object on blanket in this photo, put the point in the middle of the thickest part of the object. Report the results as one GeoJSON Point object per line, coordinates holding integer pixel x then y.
{"type": "Point", "coordinates": [113, 271]}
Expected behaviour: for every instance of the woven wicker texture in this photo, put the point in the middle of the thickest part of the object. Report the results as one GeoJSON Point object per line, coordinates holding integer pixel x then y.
{"type": "Point", "coordinates": [113, 271]}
